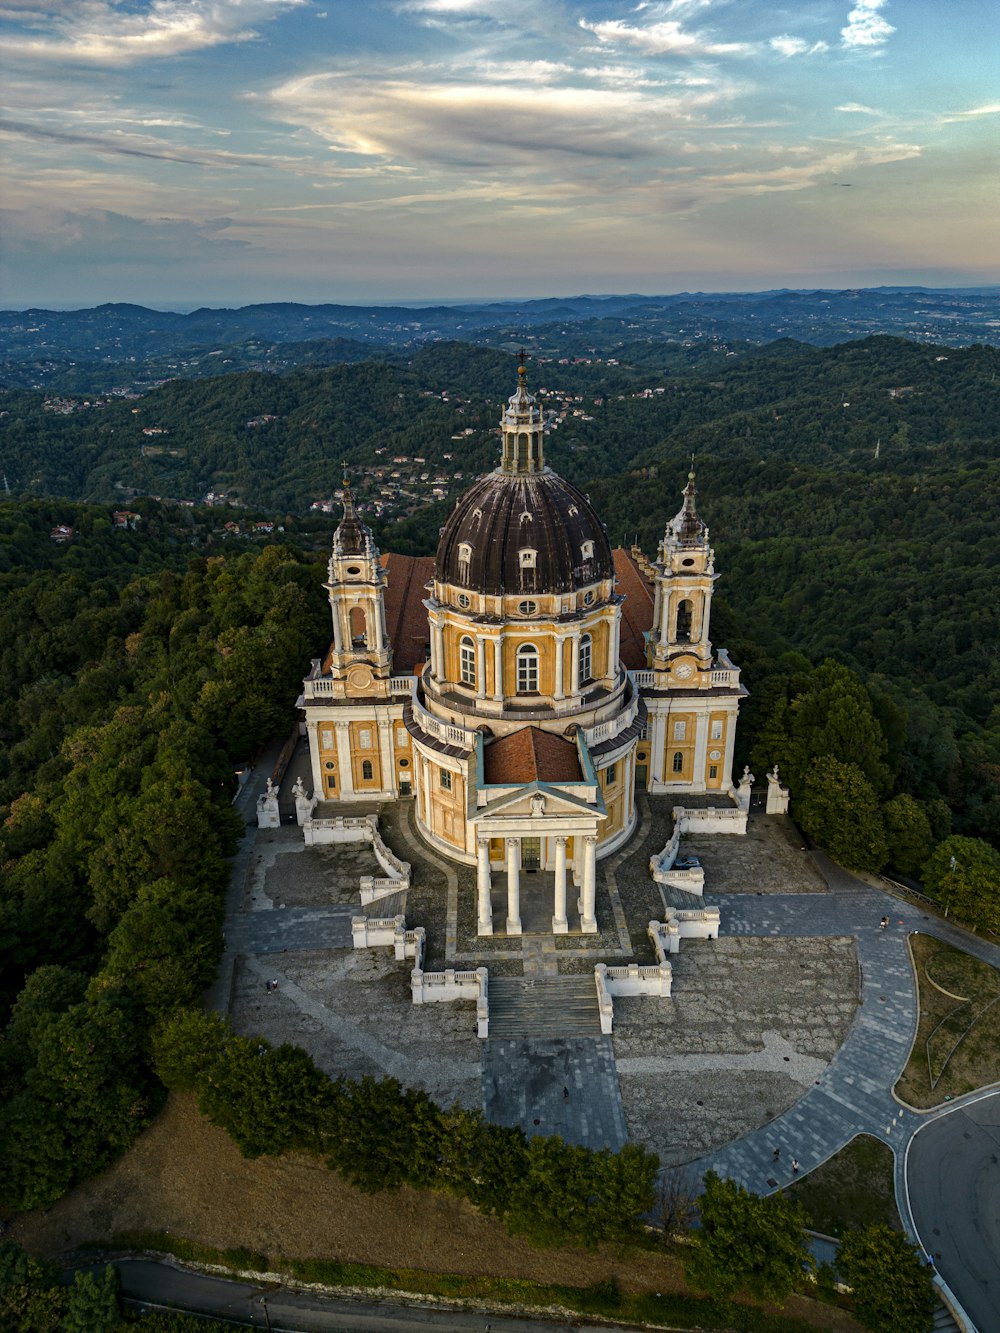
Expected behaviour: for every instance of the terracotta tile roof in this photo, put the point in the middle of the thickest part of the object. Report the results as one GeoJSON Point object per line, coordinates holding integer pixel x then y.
{"type": "Point", "coordinates": [637, 611]}
{"type": "Point", "coordinates": [405, 613]}
{"type": "Point", "coordinates": [531, 755]}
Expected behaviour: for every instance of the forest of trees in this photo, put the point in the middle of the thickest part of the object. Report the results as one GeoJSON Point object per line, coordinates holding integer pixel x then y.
{"type": "Point", "coordinates": [857, 532]}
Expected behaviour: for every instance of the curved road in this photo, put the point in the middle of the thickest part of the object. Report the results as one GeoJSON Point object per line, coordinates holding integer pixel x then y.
{"type": "Point", "coordinates": [953, 1179]}
{"type": "Point", "coordinates": [953, 1210]}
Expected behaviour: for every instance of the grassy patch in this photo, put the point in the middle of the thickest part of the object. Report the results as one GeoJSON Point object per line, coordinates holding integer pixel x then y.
{"type": "Point", "coordinates": [959, 1030]}
{"type": "Point", "coordinates": [600, 1298]}
{"type": "Point", "coordinates": [854, 1188]}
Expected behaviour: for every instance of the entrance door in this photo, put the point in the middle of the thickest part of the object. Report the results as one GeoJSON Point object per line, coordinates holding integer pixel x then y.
{"type": "Point", "coordinates": [640, 776]}
{"type": "Point", "coordinates": [531, 853]}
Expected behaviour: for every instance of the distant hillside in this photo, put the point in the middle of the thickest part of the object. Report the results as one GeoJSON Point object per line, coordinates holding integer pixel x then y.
{"type": "Point", "coordinates": [92, 350]}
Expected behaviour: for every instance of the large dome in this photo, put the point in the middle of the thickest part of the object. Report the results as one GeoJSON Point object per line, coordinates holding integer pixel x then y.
{"type": "Point", "coordinates": [523, 532]}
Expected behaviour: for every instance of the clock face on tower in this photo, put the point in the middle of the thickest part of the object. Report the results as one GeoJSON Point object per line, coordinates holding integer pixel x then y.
{"type": "Point", "coordinates": [683, 671]}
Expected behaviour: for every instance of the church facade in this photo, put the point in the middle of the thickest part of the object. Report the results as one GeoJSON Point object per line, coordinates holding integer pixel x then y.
{"type": "Point", "coordinates": [524, 682]}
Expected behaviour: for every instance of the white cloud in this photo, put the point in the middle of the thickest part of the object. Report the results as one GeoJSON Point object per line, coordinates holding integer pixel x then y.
{"type": "Point", "coordinates": [795, 46]}
{"type": "Point", "coordinates": [866, 26]}
{"type": "Point", "coordinates": [658, 39]}
{"type": "Point", "coordinates": [858, 108]}
{"type": "Point", "coordinates": [111, 32]}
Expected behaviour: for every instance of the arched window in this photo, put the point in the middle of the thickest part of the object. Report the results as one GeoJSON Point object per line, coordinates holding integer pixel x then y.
{"type": "Point", "coordinates": [527, 669]}
{"type": "Point", "coordinates": [586, 657]}
{"type": "Point", "coordinates": [678, 761]}
{"type": "Point", "coordinates": [467, 661]}
{"type": "Point", "coordinates": [359, 628]}
{"type": "Point", "coordinates": [684, 622]}
{"type": "Point", "coordinates": [367, 772]}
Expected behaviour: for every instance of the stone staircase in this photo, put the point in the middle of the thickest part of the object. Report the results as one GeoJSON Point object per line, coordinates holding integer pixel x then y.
{"type": "Point", "coordinates": [944, 1320]}
{"type": "Point", "coordinates": [393, 904]}
{"type": "Point", "coordinates": [544, 1007]}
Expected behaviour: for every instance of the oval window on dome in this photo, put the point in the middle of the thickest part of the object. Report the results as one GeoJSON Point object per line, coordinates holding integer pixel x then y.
{"type": "Point", "coordinates": [354, 569]}
{"type": "Point", "coordinates": [464, 601]}
{"type": "Point", "coordinates": [687, 562]}
{"type": "Point", "coordinates": [527, 608]}
{"type": "Point", "coordinates": [588, 597]}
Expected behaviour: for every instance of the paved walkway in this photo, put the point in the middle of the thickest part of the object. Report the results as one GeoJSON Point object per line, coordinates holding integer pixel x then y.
{"type": "Point", "coordinates": [555, 1085]}
{"type": "Point", "coordinates": [854, 1094]}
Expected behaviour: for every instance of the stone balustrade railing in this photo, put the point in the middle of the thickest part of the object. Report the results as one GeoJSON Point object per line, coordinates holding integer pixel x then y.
{"type": "Point", "coordinates": [614, 726]}
{"type": "Point", "coordinates": [666, 938]}
{"type": "Point", "coordinates": [661, 863]}
{"type": "Point", "coordinates": [394, 866]}
{"type": "Point", "coordinates": [443, 731]}
{"type": "Point", "coordinates": [375, 887]}
{"type": "Point", "coordinates": [711, 819]}
{"type": "Point", "coordinates": [369, 932]}
{"type": "Point", "coordinates": [605, 1004]}
{"type": "Point", "coordinates": [425, 987]}
{"type": "Point", "coordinates": [629, 979]}
{"type": "Point", "coordinates": [644, 679]}
{"type": "Point", "coordinates": [318, 686]}
{"type": "Point", "coordinates": [696, 923]}
{"type": "Point", "coordinates": [443, 987]}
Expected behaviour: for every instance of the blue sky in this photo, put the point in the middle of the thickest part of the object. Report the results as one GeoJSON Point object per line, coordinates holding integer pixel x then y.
{"type": "Point", "coordinates": [218, 152]}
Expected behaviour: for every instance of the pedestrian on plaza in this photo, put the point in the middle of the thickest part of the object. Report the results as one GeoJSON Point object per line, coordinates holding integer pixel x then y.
{"type": "Point", "coordinates": [565, 1094]}
{"type": "Point", "coordinates": [776, 1155]}
{"type": "Point", "coordinates": [883, 923]}
{"type": "Point", "coordinates": [267, 987]}
{"type": "Point", "coordinates": [274, 984]}
{"type": "Point", "coordinates": [795, 1167]}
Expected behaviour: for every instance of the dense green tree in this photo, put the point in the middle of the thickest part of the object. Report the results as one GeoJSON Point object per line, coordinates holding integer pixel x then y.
{"type": "Point", "coordinates": [186, 1045]}
{"type": "Point", "coordinates": [969, 888]}
{"type": "Point", "coordinates": [839, 809]}
{"type": "Point", "coordinates": [891, 1288]}
{"type": "Point", "coordinates": [746, 1243]}
{"type": "Point", "coordinates": [31, 1296]}
{"type": "Point", "coordinates": [908, 834]}
{"type": "Point", "coordinates": [92, 1302]}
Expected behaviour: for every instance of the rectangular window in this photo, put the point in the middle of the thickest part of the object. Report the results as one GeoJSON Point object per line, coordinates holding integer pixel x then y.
{"type": "Point", "coordinates": [713, 771]}
{"type": "Point", "coordinates": [716, 731]}
{"type": "Point", "coordinates": [680, 729]}
{"type": "Point", "coordinates": [446, 779]}
{"type": "Point", "coordinates": [609, 774]}
{"type": "Point", "coordinates": [467, 655]}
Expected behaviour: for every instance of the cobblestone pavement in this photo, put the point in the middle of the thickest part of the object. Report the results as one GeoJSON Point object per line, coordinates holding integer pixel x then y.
{"type": "Point", "coordinates": [790, 1031]}
{"type": "Point", "coordinates": [566, 1086]}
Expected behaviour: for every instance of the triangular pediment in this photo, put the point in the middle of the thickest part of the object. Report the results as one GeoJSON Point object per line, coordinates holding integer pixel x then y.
{"type": "Point", "coordinates": [535, 800]}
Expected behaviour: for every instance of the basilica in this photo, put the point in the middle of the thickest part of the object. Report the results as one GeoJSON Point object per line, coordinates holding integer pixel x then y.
{"type": "Point", "coordinates": [522, 684]}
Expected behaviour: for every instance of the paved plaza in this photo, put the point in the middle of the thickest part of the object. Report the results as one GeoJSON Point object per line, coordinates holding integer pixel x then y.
{"type": "Point", "coordinates": [789, 1031]}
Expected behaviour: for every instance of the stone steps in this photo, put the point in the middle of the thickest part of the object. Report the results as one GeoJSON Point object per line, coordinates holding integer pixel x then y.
{"type": "Point", "coordinates": [944, 1321]}
{"type": "Point", "coordinates": [544, 1007]}
{"type": "Point", "coordinates": [393, 904]}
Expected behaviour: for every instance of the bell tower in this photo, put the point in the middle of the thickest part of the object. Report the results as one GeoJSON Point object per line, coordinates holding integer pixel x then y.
{"type": "Point", "coordinates": [684, 579]}
{"type": "Point", "coordinates": [361, 656]}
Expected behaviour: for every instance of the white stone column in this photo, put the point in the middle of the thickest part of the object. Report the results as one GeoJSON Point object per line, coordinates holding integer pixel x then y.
{"type": "Point", "coordinates": [338, 631]}
{"type": "Point", "coordinates": [664, 616]}
{"type": "Point", "coordinates": [437, 650]}
{"type": "Point", "coordinates": [483, 881]}
{"type": "Point", "coordinates": [588, 920]}
{"type": "Point", "coordinates": [616, 646]}
{"type": "Point", "coordinates": [560, 658]}
{"type": "Point", "coordinates": [574, 647]}
{"type": "Point", "coordinates": [345, 777]}
{"type": "Point", "coordinates": [513, 886]}
{"type": "Point", "coordinates": [498, 667]}
{"type": "Point", "coordinates": [559, 923]}
{"type": "Point", "coordinates": [379, 624]}
{"type": "Point", "coordinates": [700, 748]}
{"type": "Point", "coordinates": [385, 755]}
{"type": "Point", "coordinates": [425, 772]}
{"type": "Point", "coordinates": [657, 606]}
{"type": "Point", "coordinates": [480, 667]}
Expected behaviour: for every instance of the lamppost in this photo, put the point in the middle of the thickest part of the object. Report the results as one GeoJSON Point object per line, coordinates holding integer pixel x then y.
{"type": "Point", "coordinates": [267, 1317]}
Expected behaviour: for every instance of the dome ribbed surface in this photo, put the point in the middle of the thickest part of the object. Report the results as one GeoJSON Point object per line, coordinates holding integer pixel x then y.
{"type": "Point", "coordinates": [502, 515]}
